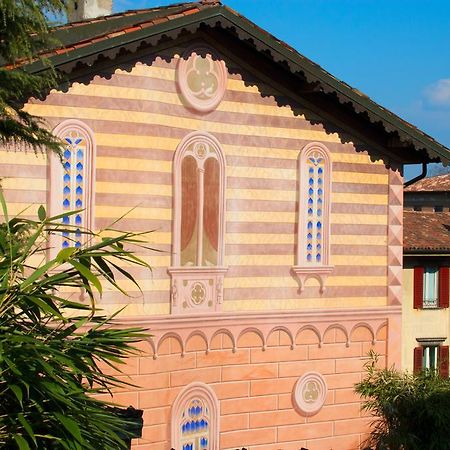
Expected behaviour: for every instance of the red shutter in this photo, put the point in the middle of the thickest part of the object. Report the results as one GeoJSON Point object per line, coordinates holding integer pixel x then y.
{"type": "Point", "coordinates": [418, 287]}
{"type": "Point", "coordinates": [443, 287]}
{"type": "Point", "coordinates": [443, 361]}
{"type": "Point", "coordinates": [418, 359]}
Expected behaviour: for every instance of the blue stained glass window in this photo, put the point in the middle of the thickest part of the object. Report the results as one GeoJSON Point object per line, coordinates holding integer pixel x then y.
{"type": "Point", "coordinates": [194, 426]}
{"type": "Point", "coordinates": [73, 185]}
{"type": "Point", "coordinates": [316, 172]}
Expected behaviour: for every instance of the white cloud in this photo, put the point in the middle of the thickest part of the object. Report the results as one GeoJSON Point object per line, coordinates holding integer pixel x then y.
{"type": "Point", "coordinates": [438, 94]}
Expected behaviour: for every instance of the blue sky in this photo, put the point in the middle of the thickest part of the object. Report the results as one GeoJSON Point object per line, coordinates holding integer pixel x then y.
{"type": "Point", "coordinates": [395, 51]}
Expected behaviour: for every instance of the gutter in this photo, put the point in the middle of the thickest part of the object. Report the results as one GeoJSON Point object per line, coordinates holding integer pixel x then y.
{"type": "Point", "coordinates": [419, 177]}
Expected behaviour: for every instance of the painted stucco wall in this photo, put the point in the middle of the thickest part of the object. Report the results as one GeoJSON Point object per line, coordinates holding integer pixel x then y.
{"type": "Point", "coordinates": [138, 120]}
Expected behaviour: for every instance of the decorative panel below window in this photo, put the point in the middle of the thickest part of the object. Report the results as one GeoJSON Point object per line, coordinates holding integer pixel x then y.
{"type": "Point", "coordinates": [71, 183]}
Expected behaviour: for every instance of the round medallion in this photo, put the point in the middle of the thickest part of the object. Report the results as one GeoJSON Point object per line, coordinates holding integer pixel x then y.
{"type": "Point", "coordinates": [198, 293]}
{"type": "Point", "coordinates": [309, 393]}
{"type": "Point", "coordinates": [202, 78]}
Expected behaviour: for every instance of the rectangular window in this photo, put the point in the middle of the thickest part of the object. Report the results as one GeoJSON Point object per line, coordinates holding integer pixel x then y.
{"type": "Point", "coordinates": [430, 358]}
{"type": "Point", "coordinates": [430, 287]}
{"type": "Point", "coordinates": [431, 355]}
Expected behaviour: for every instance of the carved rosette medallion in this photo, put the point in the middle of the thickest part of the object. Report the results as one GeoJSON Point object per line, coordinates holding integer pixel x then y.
{"type": "Point", "coordinates": [309, 394]}
{"type": "Point", "coordinates": [202, 78]}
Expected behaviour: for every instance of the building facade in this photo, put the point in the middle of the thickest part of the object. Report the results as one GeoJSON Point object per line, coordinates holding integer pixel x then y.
{"type": "Point", "coordinates": [426, 276]}
{"type": "Point", "coordinates": [276, 207]}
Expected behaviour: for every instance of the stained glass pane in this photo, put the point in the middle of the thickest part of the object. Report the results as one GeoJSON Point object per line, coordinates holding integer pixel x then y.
{"type": "Point", "coordinates": [194, 426]}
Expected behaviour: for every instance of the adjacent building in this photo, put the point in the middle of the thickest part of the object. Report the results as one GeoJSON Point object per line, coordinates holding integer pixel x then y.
{"type": "Point", "coordinates": [426, 326]}
{"type": "Point", "coordinates": [276, 194]}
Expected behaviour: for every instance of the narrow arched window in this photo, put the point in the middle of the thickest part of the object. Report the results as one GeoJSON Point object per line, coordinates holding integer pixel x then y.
{"type": "Point", "coordinates": [313, 243]}
{"type": "Point", "coordinates": [195, 419]}
{"type": "Point", "coordinates": [198, 236]}
{"type": "Point", "coordinates": [71, 182]}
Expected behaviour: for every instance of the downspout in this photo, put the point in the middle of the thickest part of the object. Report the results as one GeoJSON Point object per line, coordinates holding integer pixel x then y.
{"type": "Point", "coordinates": [419, 177]}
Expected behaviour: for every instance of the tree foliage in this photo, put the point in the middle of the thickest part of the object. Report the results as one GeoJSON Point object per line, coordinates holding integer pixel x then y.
{"type": "Point", "coordinates": [24, 35]}
{"type": "Point", "coordinates": [53, 346]}
{"type": "Point", "coordinates": [412, 410]}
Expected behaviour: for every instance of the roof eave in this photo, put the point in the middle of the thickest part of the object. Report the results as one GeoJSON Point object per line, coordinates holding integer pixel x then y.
{"type": "Point", "coordinates": [295, 61]}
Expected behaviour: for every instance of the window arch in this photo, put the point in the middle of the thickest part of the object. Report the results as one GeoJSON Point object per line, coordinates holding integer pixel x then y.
{"type": "Point", "coordinates": [313, 240]}
{"type": "Point", "coordinates": [198, 227]}
{"type": "Point", "coordinates": [195, 419]}
{"type": "Point", "coordinates": [72, 182]}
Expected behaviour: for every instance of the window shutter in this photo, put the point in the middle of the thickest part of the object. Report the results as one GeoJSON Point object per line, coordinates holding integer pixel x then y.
{"type": "Point", "coordinates": [443, 287]}
{"type": "Point", "coordinates": [418, 359]}
{"type": "Point", "coordinates": [418, 287]}
{"type": "Point", "coordinates": [443, 361]}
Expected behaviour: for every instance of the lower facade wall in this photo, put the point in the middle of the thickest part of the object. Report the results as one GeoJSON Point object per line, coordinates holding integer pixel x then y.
{"type": "Point", "coordinates": [253, 381]}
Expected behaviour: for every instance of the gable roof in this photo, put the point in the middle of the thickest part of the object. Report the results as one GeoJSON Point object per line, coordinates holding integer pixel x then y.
{"type": "Point", "coordinates": [85, 41]}
{"type": "Point", "coordinates": [426, 232]}
{"type": "Point", "coordinates": [439, 183]}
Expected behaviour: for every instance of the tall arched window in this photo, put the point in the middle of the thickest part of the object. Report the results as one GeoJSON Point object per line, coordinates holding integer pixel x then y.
{"type": "Point", "coordinates": [313, 240]}
{"type": "Point", "coordinates": [199, 210]}
{"type": "Point", "coordinates": [72, 182]}
{"type": "Point", "coordinates": [195, 419]}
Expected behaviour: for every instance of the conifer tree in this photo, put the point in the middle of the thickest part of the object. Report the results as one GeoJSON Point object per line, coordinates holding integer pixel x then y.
{"type": "Point", "coordinates": [25, 35]}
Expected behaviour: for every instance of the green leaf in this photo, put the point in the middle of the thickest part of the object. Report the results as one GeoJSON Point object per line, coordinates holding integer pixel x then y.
{"type": "Point", "coordinates": [27, 426]}
{"type": "Point", "coordinates": [85, 272]}
{"type": "Point", "coordinates": [37, 274]}
{"type": "Point", "coordinates": [21, 442]}
{"type": "Point", "coordinates": [71, 426]}
{"type": "Point", "coordinates": [64, 254]}
{"type": "Point", "coordinates": [17, 392]}
{"type": "Point", "coordinates": [41, 213]}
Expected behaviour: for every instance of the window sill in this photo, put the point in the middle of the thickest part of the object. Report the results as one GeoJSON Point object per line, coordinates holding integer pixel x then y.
{"type": "Point", "coordinates": [320, 273]}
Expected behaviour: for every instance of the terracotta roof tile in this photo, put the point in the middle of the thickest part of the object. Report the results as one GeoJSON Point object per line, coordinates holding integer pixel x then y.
{"type": "Point", "coordinates": [425, 232]}
{"type": "Point", "coordinates": [438, 183]}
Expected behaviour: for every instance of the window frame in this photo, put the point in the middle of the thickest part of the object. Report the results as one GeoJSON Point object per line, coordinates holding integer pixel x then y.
{"type": "Point", "coordinates": [303, 268]}
{"type": "Point", "coordinates": [443, 287]}
{"type": "Point", "coordinates": [206, 280]}
{"type": "Point", "coordinates": [441, 354]}
{"type": "Point", "coordinates": [55, 178]}
{"type": "Point", "coordinates": [205, 393]}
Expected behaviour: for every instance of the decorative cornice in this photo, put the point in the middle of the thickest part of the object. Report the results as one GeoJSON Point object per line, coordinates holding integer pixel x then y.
{"type": "Point", "coordinates": [234, 325]}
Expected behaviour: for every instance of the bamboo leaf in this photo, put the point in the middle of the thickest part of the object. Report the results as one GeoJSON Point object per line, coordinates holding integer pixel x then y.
{"type": "Point", "coordinates": [41, 213]}
{"type": "Point", "coordinates": [21, 442]}
{"type": "Point", "coordinates": [71, 426]}
{"type": "Point", "coordinates": [85, 272]}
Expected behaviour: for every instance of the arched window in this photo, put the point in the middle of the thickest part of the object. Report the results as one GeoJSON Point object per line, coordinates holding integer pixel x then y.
{"type": "Point", "coordinates": [72, 182]}
{"type": "Point", "coordinates": [199, 210]}
{"type": "Point", "coordinates": [313, 242]}
{"type": "Point", "coordinates": [195, 419]}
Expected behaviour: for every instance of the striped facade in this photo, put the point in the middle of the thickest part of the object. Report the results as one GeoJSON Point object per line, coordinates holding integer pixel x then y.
{"type": "Point", "coordinates": [138, 119]}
